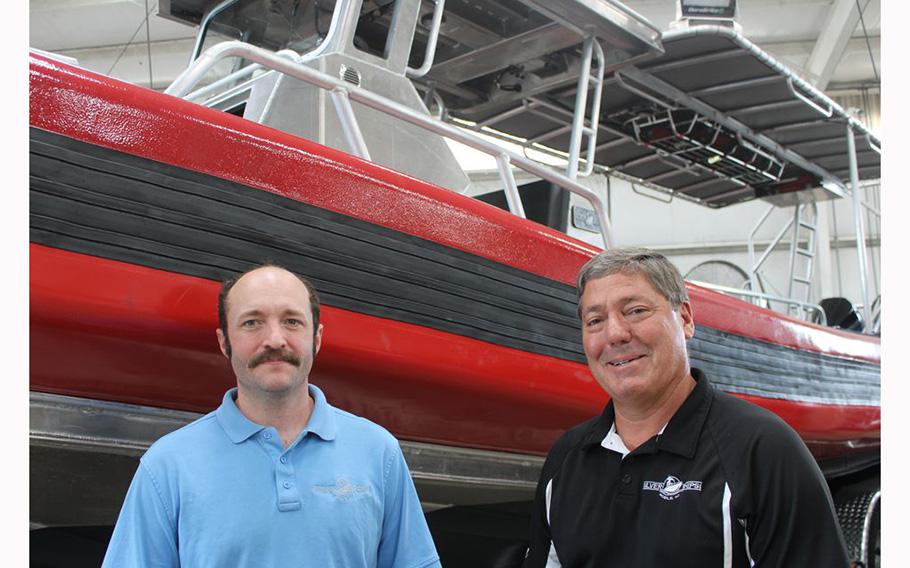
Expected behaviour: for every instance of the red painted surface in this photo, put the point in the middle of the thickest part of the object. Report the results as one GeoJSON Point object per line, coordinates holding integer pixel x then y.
{"type": "Point", "coordinates": [115, 331]}
{"type": "Point", "coordinates": [92, 108]}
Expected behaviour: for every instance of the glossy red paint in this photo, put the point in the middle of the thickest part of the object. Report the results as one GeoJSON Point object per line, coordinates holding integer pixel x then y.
{"type": "Point", "coordinates": [115, 331]}
{"type": "Point", "coordinates": [735, 316]}
{"type": "Point", "coordinates": [89, 107]}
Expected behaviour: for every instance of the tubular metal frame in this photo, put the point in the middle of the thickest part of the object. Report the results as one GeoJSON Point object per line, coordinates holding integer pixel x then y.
{"type": "Point", "coordinates": [590, 50]}
{"type": "Point", "coordinates": [806, 307]}
{"type": "Point", "coordinates": [859, 227]}
{"type": "Point", "coordinates": [430, 53]}
{"type": "Point", "coordinates": [342, 92]}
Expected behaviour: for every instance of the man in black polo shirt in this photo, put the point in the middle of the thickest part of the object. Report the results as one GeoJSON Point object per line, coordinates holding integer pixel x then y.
{"type": "Point", "coordinates": [673, 472]}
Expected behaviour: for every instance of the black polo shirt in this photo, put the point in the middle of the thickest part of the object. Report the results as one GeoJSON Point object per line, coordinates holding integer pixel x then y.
{"type": "Point", "coordinates": [726, 484]}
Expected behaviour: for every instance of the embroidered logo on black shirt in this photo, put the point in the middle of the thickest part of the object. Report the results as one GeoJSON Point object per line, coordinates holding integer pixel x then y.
{"type": "Point", "coordinates": [671, 488]}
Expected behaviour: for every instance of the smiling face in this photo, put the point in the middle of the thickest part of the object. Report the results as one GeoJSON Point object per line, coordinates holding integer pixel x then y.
{"type": "Point", "coordinates": [634, 340]}
{"type": "Point", "coordinates": [270, 325]}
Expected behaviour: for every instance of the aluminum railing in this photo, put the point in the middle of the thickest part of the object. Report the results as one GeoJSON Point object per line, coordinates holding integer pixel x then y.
{"type": "Point", "coordinates": [343, 93]}
{"type": "Point", "coordinates": [810, 311]}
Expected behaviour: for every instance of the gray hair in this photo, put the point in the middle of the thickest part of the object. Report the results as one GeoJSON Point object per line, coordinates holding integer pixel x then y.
{"type": "Point", "coordinates": [660, 272]}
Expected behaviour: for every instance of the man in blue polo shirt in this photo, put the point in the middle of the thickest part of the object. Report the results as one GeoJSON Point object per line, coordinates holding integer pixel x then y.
{"type": "Point", "coordinates": [275, 476]}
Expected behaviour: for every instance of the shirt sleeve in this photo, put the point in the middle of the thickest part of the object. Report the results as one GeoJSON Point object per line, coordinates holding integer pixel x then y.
{"type": "Point", "coordinates": [405, 540]}
{"type": "Point", "coordinates": [145, 535]}
{"type": "Point", "coordinates": [540, 551]}
{"type": "Point", "coordinates": [792, 521]}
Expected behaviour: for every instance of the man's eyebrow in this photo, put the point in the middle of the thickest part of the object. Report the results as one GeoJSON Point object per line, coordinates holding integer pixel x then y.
{"type": "Point", "coordinates": [622, 301]}
{"type": "Point", "coordinates": [250, 312]}
{"type": "Point", "coordinates": [592, 308]}
{"type": "Point", "coordinates": [259, 312]}
{"type": "Point", "coordinates": [294, 312]}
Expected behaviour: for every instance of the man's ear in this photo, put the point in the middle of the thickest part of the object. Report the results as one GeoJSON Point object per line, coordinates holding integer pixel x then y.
{"type": "Point", "coordinates": [223, 343]}
{"type": "Point", "coordinates": [317, 340]}
{"type": "Point", "coordinates": [688, 320]}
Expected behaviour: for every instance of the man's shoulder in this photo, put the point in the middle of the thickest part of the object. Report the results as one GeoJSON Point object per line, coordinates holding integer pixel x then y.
{"type": "Point", "coordinates": [192, 435]}
{"type": "Point", "coordinates": [735, 422]}
{"type": "Point", "coordinates": [732, 410]}
{"type": "Point", "coordinates": [362, 428]}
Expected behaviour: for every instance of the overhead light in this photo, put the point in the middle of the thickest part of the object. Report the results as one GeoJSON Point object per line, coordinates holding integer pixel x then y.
{"type": "Point", "coordinates": [707, 9]}
{"type": "Point", "coordinates": [691, 13]}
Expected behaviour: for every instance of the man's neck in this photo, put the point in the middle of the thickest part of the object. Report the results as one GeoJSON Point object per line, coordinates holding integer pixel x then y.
{"type": "Point", "coordinates": [289, 413]}
{"type": "Point", "coordinates": [638, 423]}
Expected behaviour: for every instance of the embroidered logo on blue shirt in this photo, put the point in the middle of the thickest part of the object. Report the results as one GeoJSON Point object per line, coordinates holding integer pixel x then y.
{"type": "Point", "coordinates": [671, 488]}
{"type": "Point", "coordinates": [343, 490]}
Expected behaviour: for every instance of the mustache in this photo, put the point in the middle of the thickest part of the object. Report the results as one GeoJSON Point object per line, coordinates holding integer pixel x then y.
{"type": "Point", "coordinates": [274, 355]}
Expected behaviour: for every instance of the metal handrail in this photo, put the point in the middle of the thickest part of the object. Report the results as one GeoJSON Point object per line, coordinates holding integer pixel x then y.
{"type": "Point", "coordinates": [807, 307]}
{"type": "Point", "coordinates": [430, 52]}
{"type": "Point", "coordinates": [590, 50]}
{"type": "Point", "coordinates": [343, 91]}
{"type": "Point", "coordinates": [241, 73]}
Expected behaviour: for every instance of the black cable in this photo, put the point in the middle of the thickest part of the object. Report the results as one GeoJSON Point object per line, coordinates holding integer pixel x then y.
{"type": "Point", "coordinates": [130, 42]}
{"type": "Point", "coordinates": [866, 35]}
{"type": "Point", "coordinates": [148, 42]}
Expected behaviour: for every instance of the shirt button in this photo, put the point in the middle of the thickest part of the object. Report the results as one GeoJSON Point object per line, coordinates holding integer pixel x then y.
{"type": "Point", "coordinates": [267, 436]}
{"type": "Point", "coordinates": [284, 459]}
{"type": "Point", "coordinates": [287, 484]}
{"type": "Point", "coordinates": [627, 478]}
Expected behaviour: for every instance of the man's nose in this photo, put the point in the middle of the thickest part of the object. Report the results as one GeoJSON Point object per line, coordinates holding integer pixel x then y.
{"type": "Point", "coordinates": [617, 330]}
{"type": "Point", "coordinates": [275, 338]}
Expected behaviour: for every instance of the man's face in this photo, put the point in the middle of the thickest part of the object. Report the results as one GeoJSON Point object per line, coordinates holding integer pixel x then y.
{"type": "Point", "coordinates": [634, 341]}
{"type": "Point", "coordinates": [270, 327]}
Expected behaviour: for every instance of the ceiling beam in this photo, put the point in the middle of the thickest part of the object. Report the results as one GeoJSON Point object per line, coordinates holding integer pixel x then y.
{"type": "Point", "coordinates": [832, 42]}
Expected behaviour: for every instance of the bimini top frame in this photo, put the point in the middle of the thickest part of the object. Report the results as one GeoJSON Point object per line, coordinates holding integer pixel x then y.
{"type": "Point", "coordinates": [715, 120]}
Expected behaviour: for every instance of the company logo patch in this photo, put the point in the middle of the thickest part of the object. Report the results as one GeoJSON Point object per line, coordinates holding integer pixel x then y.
{"type": "Point", "coordinates": [343, 490]}
{"type": "Point", "coordinates": [671, 488]}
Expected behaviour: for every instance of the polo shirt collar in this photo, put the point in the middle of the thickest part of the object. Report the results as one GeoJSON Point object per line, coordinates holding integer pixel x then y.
{"type": "Point", "coordinates": [680, 435]}
{"type": "Point", "coordinates": [239, 428]}
{"type": "Point", "coordinates": [322, 421]}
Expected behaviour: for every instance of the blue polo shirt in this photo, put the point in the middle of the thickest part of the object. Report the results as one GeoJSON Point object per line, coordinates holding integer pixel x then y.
{"type": "Point", "coordinates": [223, 491]}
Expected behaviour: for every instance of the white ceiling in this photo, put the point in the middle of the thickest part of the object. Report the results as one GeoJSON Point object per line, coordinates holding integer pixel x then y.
{"type": "Point", "coordinates": [821, 39]}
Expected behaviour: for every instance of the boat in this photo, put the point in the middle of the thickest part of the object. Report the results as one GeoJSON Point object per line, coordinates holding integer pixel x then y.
{"type": "Point", "coordinates": [449, 321]}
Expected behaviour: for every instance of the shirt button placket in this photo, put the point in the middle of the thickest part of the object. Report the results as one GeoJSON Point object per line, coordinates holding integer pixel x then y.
{"type": "Point", "coordinates": [289, 498]}
{"type": "Point", "coordinates": [626, 485]}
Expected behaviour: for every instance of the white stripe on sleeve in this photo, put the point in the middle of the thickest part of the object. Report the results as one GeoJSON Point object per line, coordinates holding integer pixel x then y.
{"type": "Point", "coordinates": [728, 528]}
{"type": "Point", "coordinates": [552, 559]}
